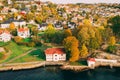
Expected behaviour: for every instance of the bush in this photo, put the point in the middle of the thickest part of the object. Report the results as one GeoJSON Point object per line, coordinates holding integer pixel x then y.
{"type": "Point", "coordinates": [111, 49]}
{"type": "Point", "coordinates": [31, 44]}
{"type": "Point", "coordinates": [1, 55]}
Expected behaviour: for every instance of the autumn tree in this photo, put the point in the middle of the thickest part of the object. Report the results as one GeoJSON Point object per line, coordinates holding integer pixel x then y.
{"type": "Point", "coordinates": [17, 39]}
{"type": "Point", "coordinates": [15, 15]}
{"type": "Point", "coordinates": [84, 51]}
{"type": "Point", "coordinates": [74, 54]}
{"type": "Point", "coordinates": [83, 36]}
{"type": "Point", "coordinates": [112, 41]}
{"type": "Point", "coordinates": [68, 32]}
{"type": "Point", "coordinates": [12, 26]}
{"type": "Point", "coordinates": [29, 16]}
{"type": "Point", "coordinates": [71, 46]}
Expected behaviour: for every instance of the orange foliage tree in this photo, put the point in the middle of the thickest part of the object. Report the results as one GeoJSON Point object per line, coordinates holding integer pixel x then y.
{"type": "Point", "coordinates": [68, 32]}
{"type": "Point", "coordinates": [71, 45]}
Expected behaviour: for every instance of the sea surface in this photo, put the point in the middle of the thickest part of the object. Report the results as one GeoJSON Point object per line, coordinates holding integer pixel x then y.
{"type": "Point", "coordinates": [55, 73]}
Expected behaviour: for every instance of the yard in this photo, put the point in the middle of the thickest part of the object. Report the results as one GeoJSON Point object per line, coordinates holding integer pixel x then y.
{"type": "Point", "coordinates": [3, 43]}
{"type": "Point", "coordinates": [36, 55]}
{"type": "Point", "coordinates": [16, 50]}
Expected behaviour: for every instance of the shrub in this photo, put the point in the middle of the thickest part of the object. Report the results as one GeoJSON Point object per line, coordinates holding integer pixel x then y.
{"type": "Point", "coordinates": [31, 44]}
{"type": "Point", "coordinates": [1, 55]}
{"type": "Point", "coordinates": [111, 49]}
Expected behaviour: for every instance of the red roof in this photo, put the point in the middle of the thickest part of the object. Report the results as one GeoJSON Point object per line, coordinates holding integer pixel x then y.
{"type": "Point", "coordinates": [91, 59]}
{"type": "Point", "coordinates": [23, 29]}
{"type": "Point", "coordinates": [4, 31]}
{"type": "Point", "coordinates": [54, 50]}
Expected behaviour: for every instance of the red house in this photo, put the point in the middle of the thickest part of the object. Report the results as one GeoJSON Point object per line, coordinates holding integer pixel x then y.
{"type": "Point", "coordinates": [55, 54]}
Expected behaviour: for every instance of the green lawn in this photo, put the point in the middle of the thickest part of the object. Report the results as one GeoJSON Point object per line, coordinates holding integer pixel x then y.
{"type": "Point", "coordinates": [27, 40]}
{"type": "Point", "coordinates": [36, 55]}
{"type": "Point", "coordinates": [16, 50]}
{"type": "Point", "coordinates": [3, 43]}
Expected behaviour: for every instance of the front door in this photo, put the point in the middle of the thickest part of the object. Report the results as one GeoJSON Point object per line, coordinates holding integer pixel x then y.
{"type": "Point", "coordinates": [55, 57]}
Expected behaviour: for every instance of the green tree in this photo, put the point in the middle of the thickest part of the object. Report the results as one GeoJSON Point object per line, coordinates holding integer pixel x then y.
{"type": "Point", "coordinates": [49, 33]}
{"type": "Point", "coordinates": [114, 24]}
{"type": "Point", "coordinates": [94, 44]}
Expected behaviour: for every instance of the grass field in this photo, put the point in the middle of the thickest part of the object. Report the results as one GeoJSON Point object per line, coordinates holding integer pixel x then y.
{"type": "Point", "coordinates": [3, 43]}
{"type": "Point", "coordinates": [16, 50]}
{"type": "Point", "coordinates": [36, 55]}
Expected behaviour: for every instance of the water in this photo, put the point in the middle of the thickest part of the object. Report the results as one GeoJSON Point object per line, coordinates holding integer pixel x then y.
{"type": "Point", "coordinates": [54, 73]}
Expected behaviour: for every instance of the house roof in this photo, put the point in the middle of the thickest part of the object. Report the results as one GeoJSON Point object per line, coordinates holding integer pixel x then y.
{"type": "Point", "coordinates": [4, 31]}
{"type": "Point", "coordinates": [22, 29]}
{"type": "Point", "coordinates": [54, 50]}
{"type": "Point", "coordinates": [10, 20]}
{"type": "Point", "coordinates": [91, 59]}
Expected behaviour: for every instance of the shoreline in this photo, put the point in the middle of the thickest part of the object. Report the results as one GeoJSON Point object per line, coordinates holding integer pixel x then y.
{"type": "Point", "coordinates": [63, 66]}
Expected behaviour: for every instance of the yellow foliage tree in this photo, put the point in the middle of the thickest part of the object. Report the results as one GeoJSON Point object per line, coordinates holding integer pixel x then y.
{"type": "Point", "coordinates": [83, 51]}
{"type": "Point", "coordinates": [87, 22]}
{"type": "Point", "coordinates": [15, 15]}
{"type": "Point", "coordinates": [112, 41]}
{"type": "Point", "coordinates": [50, 29]}
{"type": "Point", "coordinates": [83, 35]}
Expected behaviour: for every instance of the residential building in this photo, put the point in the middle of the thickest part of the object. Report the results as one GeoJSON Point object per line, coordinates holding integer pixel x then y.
{"type": "Point", "coordinates": [23, 32]}
{"type": "Point", "coordinates": [55, 54]}
{"type": "Point", "coordinates": [5, 35]}
{"type": "Point", "coordinates": [91, 62]}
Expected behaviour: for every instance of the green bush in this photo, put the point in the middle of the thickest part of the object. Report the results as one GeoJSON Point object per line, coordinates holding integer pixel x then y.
{"type": "Point", "coordinates": [111, 49]}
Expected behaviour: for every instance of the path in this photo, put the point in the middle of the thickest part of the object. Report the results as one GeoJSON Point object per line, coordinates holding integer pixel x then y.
{"type": "Point", "coordinates": [21, 55]}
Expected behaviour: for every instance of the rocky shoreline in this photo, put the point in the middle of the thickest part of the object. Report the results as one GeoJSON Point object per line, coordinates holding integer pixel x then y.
{"type": "Point", "coordinates": [63, 66]}
{"type": "Point", "coordinates": [28, 65]}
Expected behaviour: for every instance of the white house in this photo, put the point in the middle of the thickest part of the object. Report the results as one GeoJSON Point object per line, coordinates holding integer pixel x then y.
{"type": "Point", "coordinates": [5, 35]}
{"type": "Point", "coordinates": [17, 23]}
{"type": "Point", "coordinates": [5, 25]}
{"type": "Point", "coordinates": [55, 54]}
{"type": "Point", "coordinates": [9, 1]}
{"type": "Point", "coordinates": [5, 10]}
{"type": "Point", "coordinates": [1, 18]}
{"type": "Point", "coordinates": [91, 62]}
{"type": "Point", "coordinates": [23, 32]}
